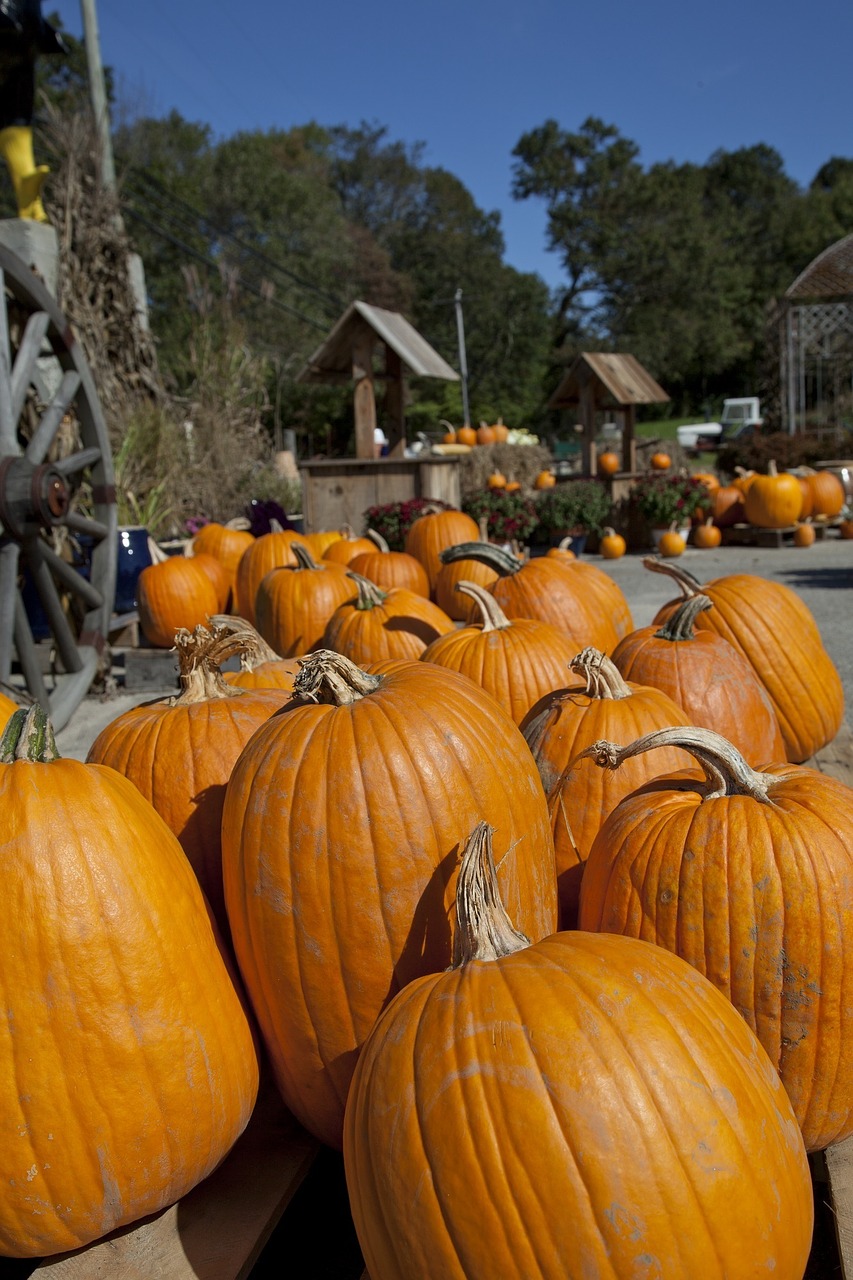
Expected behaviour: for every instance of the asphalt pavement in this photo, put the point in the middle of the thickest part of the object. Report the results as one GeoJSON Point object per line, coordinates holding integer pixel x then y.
{"type": "Point", "coordinates": [821, 574]}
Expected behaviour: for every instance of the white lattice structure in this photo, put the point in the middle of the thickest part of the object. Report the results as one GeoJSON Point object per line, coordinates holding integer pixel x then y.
{"type": "Point", "coordinates": [816, 341]}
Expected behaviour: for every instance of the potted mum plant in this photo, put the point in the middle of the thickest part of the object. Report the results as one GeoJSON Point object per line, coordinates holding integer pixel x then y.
{"type": "Point", "coordinates": [505, 517]}
{"type": "Point", "coordinates": [575, 509]}
{"type": "Point", "coordinates": [667, 502]}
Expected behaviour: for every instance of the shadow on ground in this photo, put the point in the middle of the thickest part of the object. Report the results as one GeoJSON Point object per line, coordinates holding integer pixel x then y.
{"type": "Point", "coordinates": [826, 578]}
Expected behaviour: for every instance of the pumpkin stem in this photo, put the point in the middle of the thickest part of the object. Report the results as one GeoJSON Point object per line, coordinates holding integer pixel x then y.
{"type": "Point", "coordinates": [492, 615]}
{"type": "Point", "coordinates": [726, 771]}
{"type": "Point", "coordinates": [683, 577]}
{"type": "Point", "coordinates": [483, 931]}
{"type": "Point", "coordinates": [304, 558]}
{"type": "Point", "coordinates": [29, 736]}
{"type": "Point", "coordinates": [503, 562]}
{"type": "Point", "coordinates": [255, 649]}
{"type": "Point", "coordinates": [238, 522]}
{"type": "Point", "coordinates": [330, 678]}
{"type": "Point", "coordinates": [201, 653]}
{"type": "Point", "coordinates": [680, 625]}
{"type": "Point", "coordinates": [369, 595]}
{"type": "Point", "coordinates": [565, 544]}
{"type": "Point", "coordinates": [378, 540]}
{"type": "Point", "coordinates": [157, 554]}
{"type": "Point", "coordinates": [603, 679]}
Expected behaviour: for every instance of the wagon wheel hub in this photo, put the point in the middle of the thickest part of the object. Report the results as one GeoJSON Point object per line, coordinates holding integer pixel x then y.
{"type": "Point", "coordinates": [32, 497]}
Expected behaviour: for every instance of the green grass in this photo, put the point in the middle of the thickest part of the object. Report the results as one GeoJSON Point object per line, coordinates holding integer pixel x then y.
{"type": "Point", "coordinates": [665, 428]}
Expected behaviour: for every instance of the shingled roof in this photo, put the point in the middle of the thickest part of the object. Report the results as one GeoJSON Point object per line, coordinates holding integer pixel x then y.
{"type": "Point", "coordinates": [620, 379]}
{"type": "Point", "coordinates": [332, 361]}
{"type": "Point", "coordinates": [829, 275]}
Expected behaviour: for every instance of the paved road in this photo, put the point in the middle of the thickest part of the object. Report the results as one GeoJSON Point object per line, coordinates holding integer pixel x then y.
{"type": "Point", "coordinates": [822, 575]}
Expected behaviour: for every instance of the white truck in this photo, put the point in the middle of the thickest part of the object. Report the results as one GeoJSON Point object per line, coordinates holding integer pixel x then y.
{"type": "Point", "coordinates": [740, 416]}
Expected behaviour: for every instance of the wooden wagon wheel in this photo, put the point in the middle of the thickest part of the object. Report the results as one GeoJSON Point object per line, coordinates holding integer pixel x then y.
{"type": "Point", "coordinates": [50, 502]}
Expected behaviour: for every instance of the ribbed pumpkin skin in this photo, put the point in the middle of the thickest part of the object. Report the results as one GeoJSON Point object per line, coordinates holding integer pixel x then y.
{"type": "Point", "coordinates": [7, 709]}
{"type": "Point", "coordinates": [346, 549]}
{"type": "Point", "coordinates": [293, 606]}
{"type": "Point", "coordinates": [126, 1060]}
{"type": "Point", "coordinates": [545, 590]}
{"type": "Point", "coordinates": [580, 798]}
{"type": "Point", "coordinates": [573, 1110]}
{"type": "Point", "coordinates": [180, 758]}
{"type": "Point", "coordinates": [456, 605]}
{"type": "Point", "coordinates": [759, 898]}
{"type": "Point", "coordinates": [227, 545]}
{"type": "Point", "coordinates": [608, 594]}
{"type": "Point", "coordinates": [266, 553]}
{"type": "Point", "coordinates": [517, 665]}
{"type": "Point", "coordinates": [400, 627]}
{"type": "Point", "coordinates": [431, 533]}
{"type": "Point", "coordinates": [219, 576]}
{"type": "Point", "coordinates": [714, 684]}
{"type": "Point", "coordinates": [174, 593]}
{"type": "Point", "coordinates": [266, 675]}
{"type": "Point", "coordinates": [776, 632]}
{"type": "Point", "coordinates": [392, 569]}
{"type": "Point", "coordinates": [773, 501]}
{"type": "Point", "coordinates": [341, 835]}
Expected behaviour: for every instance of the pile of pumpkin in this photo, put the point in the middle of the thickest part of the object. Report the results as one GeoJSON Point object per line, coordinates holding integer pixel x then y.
{"type": "Point", "coordinates": [553, 944]}
{"type": "Point", "coordinates": [779, 500]}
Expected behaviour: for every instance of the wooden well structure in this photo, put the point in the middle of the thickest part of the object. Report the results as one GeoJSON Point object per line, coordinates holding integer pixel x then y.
{"type": "Point", "coordinates": [609, 382]}
{"type": "Point", "coordinates": [349, 354]}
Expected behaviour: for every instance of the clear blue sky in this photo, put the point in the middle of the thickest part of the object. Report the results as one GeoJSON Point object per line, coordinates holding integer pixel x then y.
{"type": "Point", "coordinates": [469, 77]}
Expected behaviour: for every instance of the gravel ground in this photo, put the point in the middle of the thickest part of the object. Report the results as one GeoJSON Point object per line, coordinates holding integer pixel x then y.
{"type": "Point", "coordinates": [821, 574]}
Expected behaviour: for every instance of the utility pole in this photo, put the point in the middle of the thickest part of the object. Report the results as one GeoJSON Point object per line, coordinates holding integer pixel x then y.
{"type": "Point", "coordinates": [98, 91]}
{"type": "Point", "coordinates": [463, 363]}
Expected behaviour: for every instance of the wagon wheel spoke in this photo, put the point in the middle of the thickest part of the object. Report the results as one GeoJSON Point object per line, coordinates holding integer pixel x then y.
{"type": "Point", "coordinates": [27, 653]}
{"type": "Point", "coordinates": [45, 432]}
{"type": "Point", "coordinates": [78, 523]}
{"type": "Point", "coordinates": [26, 358]}
{"type": "Point", "coordinates": [70, 578]}
{"type": "Point", "coordinates": [37, 557]}
{"type": "Point", "coordinates": [8, 598]}
{"type": "Point", "coordinates": [78, 461]}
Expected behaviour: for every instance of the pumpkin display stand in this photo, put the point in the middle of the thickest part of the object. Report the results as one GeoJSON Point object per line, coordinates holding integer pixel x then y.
{"type": "Point", "coordinates": [749, 535]}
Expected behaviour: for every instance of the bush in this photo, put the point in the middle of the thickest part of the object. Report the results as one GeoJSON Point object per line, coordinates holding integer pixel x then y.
{"type": "Point", "coordinates": [662, 499]}
{"type": "Point", "coordinates": [393, 520]}
{"type": "Point", "coordinates": [509, 516]}
{"type": "Point", "coordinates": [786, 450]}
{"type": "Point", "coordinates": [573, 507]}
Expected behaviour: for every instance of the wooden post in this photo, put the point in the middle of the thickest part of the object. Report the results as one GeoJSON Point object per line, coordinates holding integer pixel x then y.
{"type": "Point", "coordinates": [395, 405]}
{"type": "Point", "coordinates": [587, 412]}
{"type": "Point", "coordinates": [629, 444]}
{"type": "Point", "coordinates": [364, 399]}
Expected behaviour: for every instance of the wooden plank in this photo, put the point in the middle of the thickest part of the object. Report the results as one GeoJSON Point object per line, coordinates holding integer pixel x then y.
{"type": "Point", "coordinates": [218, 1230]}
{"type": "Point", "coordinates": [836, 758]}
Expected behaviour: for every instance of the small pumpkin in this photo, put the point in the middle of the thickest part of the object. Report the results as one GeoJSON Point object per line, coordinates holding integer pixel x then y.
{"type": "Point", "coordinates": [545, 480]}
{"type": "Point", "coordinates": [449, 436]}
{"type": "Point", "coordinates": [749, 877]}
{"type": "Point", "coordinates": [582, 1106]}
{"type": "Point", "coordinates": [608, 463]}
{"type": "Point", "coordinates": [497, 480]}
{"type": "Point", "coordinates": [513, 486]}
{"type": "Point", "coordinates": [708, 479]}
{"type": "Point", "coordinates": [660, 461]}
{"type": "Point", "coordinates": [466, 435]}
{"type": "Point", "coordinates": [845, 528]}
{"type": "Point", "coordinates": [613, 545]}
{"type": "Point", "coordinates": [294, 605]}
{"type": "Point", "coordinates": [563, 550]}
{"type": "Point", "coordinates": [485, 434]}
{"type": "Point", "coordinates": [671, 543]}
{"type": "Point", "coordinates": [804, 534]}
{"type": "Point", "coordinates": [349, 545]}
{"type": "Point", "coordinates": [707, 536]}
{"type": "Point", "coordinates": [501, 431]}
{"type": "Point", "coordinates": [377, 624]}
{"type": "Point", "coordinates": [389, 568]}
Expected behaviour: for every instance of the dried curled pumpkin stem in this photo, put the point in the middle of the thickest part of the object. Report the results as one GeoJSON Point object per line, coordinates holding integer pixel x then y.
{"type": "Point", "coordinates": [483, 931]}
{"type": "Point", "coordinates": [680, 626]}
{"type": "Point", "coordinates": [330, 678]}
{"type": "Point", "coordinates": [29, 736]}
{"type": "Point", "coordinates": [603, 679]}
{"type": "Point", "coordinates": [255, 648]}
{"type": "Point", "coordinates": [503, 562]}
{"type": "Point", "coordinates": [369, 595]}
{"type": "Point", "coordinates": [683, 577]}
{"type": "Point", "coordinates": [492, 615]}
{"type": "Point", "coordinates": [726, 771]}
{"type": "Point", "coordinates": [201, 653]}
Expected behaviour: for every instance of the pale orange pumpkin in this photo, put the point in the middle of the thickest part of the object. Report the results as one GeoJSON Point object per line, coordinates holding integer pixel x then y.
{"type": "Point", "coordinates": [804, 534]}
{"type": "Point", "coordinates": [613, 545]}
{"type": "Point", "coordinates": [563, 549]}
{"type": "Point", "coordinates": [707, 535]}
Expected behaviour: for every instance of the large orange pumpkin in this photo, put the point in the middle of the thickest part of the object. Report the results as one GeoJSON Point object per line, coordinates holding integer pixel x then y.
{"type": "Point", "coordinates": [223, 543]}
{"type": "Point", "coordinates": [174, 593]}
{"type": "Point", "coordinates": [827, 492]}
{"type": "Point", "coordinates": [728, 506]}
{"type": "Point", "coordinates": [389, 568]}
{"type": "Point", "coordinates": [456, 604]}
{"type": "Point", "coordinates": [293, 605]}
{"type": "Point", "coordinates": [377, 624]}
{"type": "Point", "coordinates": [773, 501]}
{"type": "Point", "coordinates": [562, 725]}
{"type": "Point", "coordinates": [776, 632]}
{"type": "Point", "coordinates": [708, 677]}
{"type": "Point", "coordinates": [127, 1066]}
{"type": "Point", "coordinates": [435, 530]}
{"type": "Point", "coordinates": [348, 546]}
{"type": "Point", "coordinates": [179, 751]}
{"type": "Point", "coordinates": [342, 827]}
{"type": "Point", "coordinates": [585, 1106]}
{"type": "Point", "coordinates": [749, 877]}
{"type": "Point", "coordinates": [517, 662]}
{"type": "Point", "coordinates": [268, 552]}
{"type": "Point", "coordinates": [545, 589]}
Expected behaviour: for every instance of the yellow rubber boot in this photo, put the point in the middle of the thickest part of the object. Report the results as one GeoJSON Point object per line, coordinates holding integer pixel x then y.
{"type": "Point", "coordinates": [16, 147]}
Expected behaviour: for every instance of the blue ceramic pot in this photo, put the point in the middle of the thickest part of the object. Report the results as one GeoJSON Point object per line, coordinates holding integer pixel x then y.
{"type": "Point", "coordinates": [133, 557]}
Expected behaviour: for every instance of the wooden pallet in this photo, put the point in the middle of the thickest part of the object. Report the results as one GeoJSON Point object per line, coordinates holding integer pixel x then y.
{"type": "Point", "coordinates": [749, 535]}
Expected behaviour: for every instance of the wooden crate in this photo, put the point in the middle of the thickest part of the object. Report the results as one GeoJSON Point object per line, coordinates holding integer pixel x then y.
{"type": "Point", "coordinates": [749, 535]}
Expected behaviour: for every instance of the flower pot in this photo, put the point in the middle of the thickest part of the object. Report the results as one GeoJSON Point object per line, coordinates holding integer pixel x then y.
{"type": "Point", "coordinates": [133, 556]}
